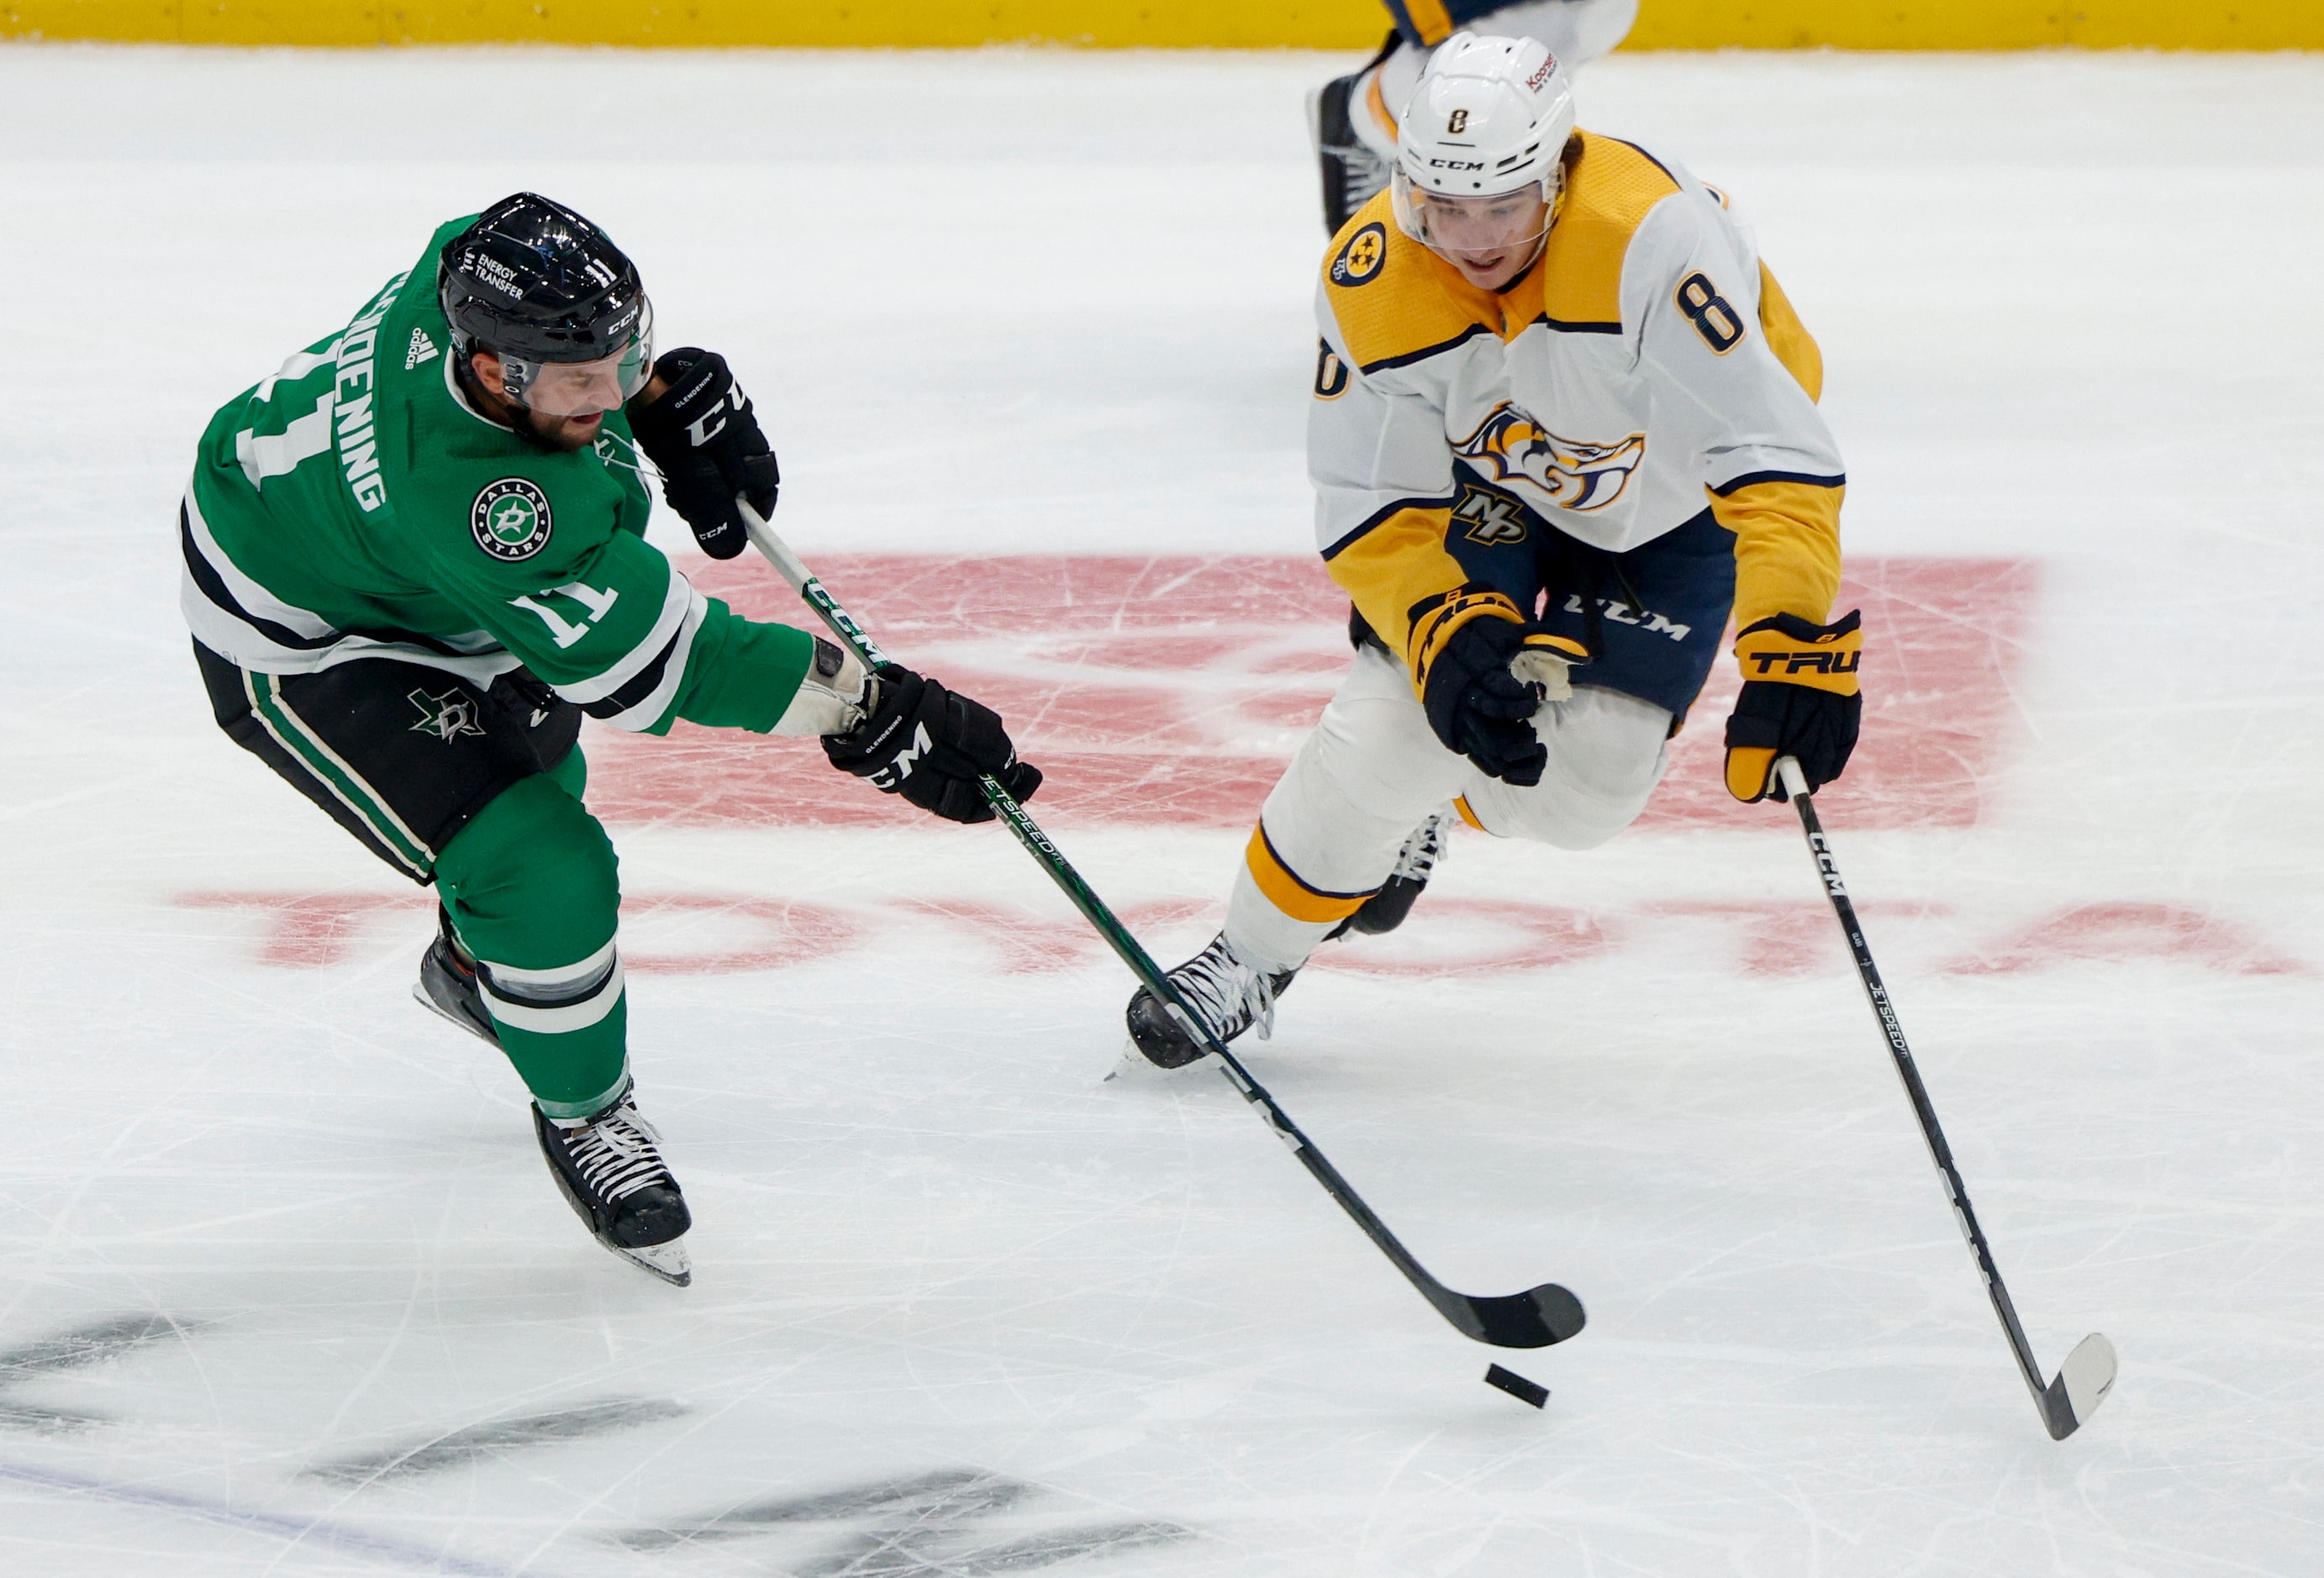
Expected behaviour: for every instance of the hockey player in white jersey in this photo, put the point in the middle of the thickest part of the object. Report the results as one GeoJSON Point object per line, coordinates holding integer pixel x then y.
{"type": "Point", "coordinates": [1352, 119]}
{"type": "Point", "coordinates": [1563, 424]}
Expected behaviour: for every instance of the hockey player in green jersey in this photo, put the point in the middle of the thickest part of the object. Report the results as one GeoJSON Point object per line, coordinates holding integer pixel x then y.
{"type": "Point", "coordinates": [414, 558]}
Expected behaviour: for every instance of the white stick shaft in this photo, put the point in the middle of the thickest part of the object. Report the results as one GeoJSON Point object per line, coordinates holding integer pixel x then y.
{"type": "Point", "coordinates": [793, 569]}
{"type": "Point", "coordinates": [1787, 771]}
{"type": "Point", "coordinates": [788, 565]}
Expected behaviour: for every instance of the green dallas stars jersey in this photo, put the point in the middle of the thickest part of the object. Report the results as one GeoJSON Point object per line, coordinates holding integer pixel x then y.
{"type": "Point", "coordinates": [355, 505]}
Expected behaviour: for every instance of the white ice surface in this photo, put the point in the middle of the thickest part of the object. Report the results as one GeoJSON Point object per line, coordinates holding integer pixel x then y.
{"type": "Point", "coordinates": [1058, 302]}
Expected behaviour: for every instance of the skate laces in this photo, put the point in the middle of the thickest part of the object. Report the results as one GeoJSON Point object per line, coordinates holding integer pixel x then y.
{"type": "Point", "coordinates": [1221, 988]}
{"type": "Point", "coordinates": [1424, 850]}
{"type": "Point", "coordinates": [617, 1153]}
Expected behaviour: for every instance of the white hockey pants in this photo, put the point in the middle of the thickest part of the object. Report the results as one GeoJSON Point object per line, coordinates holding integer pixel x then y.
{"type": "Point", "coordinates": [1373, 770]}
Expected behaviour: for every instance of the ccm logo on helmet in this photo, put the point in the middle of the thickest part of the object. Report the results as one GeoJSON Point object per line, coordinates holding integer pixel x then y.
{"type": "Point", "coordinates": [1821, 662]}
{"type": "Point", "coordinates": [1456, 164]}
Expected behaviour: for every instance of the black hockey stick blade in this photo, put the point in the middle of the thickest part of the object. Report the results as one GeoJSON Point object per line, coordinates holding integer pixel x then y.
{"type": "Point", "coordinates": [1535, 1318]}
{"type": "Point", "coordinates": [2081, 1385]}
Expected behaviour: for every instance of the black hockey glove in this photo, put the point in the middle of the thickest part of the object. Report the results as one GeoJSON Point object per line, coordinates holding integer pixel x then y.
{"type": "Point", "coordinates": [1478, 707]}
{"type": "Point", "coordinates": [1798, 698]}
{"type": "Point", "coordinates": [931, 745]}
{"type": "Point", "coordinates": [702, 435]}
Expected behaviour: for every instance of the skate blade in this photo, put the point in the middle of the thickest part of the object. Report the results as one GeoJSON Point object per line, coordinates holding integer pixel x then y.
{"type": "Point", "coordinates": [420, 996]}
{"type": "Point", "coordinates": [669, 1262]}
{"type": "Point", "coordinates": [1135, 1068]}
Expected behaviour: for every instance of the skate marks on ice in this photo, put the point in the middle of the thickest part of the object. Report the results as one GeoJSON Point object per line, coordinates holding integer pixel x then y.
{"type": "Point", "coordinates": [287, 1528]}
{"type": "Point", "coordinates": [100, 1341]}
{"type": "Point", "coordinates": [712, 934]}
{"type": "Point", "coordinates": [494, 1439]}
{"type": "Point", "coordinates": [95, 1343]}
{"type": "Point", "coordinates": [956, 1522]}
{"type": "Point", "coordinates": [1170, 690]}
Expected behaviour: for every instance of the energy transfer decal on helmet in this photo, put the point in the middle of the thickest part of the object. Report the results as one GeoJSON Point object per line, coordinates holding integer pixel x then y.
{"type": "Point", "coordinates": [510, 520]}
{"type": "Point", "coordinates": [1360, 262]}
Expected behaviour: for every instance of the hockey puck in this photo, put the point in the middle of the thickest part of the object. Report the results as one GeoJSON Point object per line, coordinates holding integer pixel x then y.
{"type": "Point", "coordinates": [1517, 1386]}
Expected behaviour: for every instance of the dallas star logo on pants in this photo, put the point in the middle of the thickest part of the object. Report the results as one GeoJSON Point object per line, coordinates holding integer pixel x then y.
{"type": "Point", "coordinates": [447, 717]}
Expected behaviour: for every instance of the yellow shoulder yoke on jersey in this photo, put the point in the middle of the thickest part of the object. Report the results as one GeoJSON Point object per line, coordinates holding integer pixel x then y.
{"type": "Point", "coordinates": [1397, 303]}
{"type": "Point", "coordinates": [1608, 192]}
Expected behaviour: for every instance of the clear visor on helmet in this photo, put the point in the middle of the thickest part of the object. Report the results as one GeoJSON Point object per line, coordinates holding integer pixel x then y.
{"type": "Point", "coordinates": [1472, 227]}
{"type": "Point", "coordinates": [585, 389]}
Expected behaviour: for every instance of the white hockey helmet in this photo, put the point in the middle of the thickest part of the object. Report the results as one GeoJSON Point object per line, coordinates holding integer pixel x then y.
{"type": "Point", "coordinates": [1488, 118]}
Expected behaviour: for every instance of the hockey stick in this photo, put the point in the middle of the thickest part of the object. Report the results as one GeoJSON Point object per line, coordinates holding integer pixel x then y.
{"type": "Point", "coordinates": [1532, 1319]}
{"type": "Point", "coordinates": [2083, 1381]}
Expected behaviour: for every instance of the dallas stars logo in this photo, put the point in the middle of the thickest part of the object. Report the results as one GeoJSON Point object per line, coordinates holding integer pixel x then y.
{"type": "Point", "coordinates": [513, 520]}
{"type": "Point", "coordinates": [510, 520]}
{"type": "Point", "coordinates": [447, 717]}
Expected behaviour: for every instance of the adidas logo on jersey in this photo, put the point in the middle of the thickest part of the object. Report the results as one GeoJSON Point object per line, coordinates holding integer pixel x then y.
{"type": "Point", "coordinates": [422, 349]}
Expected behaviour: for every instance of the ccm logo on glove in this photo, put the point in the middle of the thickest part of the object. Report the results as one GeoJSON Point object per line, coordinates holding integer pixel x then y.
{"type": "Point", "coordinates": [932, 745]}
{"type": "Point", "coordinates": [704, 438]}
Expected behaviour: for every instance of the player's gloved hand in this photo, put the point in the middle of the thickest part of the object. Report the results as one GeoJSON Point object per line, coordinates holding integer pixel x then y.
{"type": "Point", "coordinates": [930, 745]}
{"type": "Point", "coordinates": [1798, 698]}
{"type": "Point", "coordinates": [1484, 686]}
{"type": "Point", "coordinates": [703, 437]}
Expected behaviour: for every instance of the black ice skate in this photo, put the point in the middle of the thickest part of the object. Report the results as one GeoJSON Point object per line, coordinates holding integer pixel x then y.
{"type": "Point", "coordinates": [1353, 173]}
{"type": "Point", "coordinates": [1385, 910]}
{"type": "Point", "coordinates": [611, 1170]}
{"type": "Point", "coordinates": [447, 983]}
{"type": "Point", "coordinates": [1228, 995]}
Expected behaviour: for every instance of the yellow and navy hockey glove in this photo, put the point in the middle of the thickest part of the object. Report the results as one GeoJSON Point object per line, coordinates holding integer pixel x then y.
{"type": "Point", "coordinates": [1481, 683]}
{"type": "Point", "coordinates": [1799, 700]}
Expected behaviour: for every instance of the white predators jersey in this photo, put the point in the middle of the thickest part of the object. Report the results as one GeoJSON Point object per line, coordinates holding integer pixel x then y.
{"type": "Point", "coordinates": [1646, 369]}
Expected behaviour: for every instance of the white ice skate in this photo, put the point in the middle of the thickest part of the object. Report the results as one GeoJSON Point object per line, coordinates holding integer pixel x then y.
{"type": "Point", "coordinates": [1227, 994]}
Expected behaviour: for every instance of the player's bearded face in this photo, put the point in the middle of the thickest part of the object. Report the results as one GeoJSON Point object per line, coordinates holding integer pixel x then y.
{"type": "Point", "coordinates": [567, 401]}
{"type": "Point", "coordinates": [1488, 239]}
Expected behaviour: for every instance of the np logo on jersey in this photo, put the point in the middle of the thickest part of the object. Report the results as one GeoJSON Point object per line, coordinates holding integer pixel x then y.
{"type": "Point", "coordinates": [1493, 520]}
{"type": "Point", "coordinates": [1359, 263]}
{"type": "Point", "coordinates": [1575, 475]}
{"type": "Point", "coordinates": [510, 520]}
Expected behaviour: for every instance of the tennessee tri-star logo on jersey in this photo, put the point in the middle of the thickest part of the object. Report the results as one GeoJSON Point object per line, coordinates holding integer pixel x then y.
{"type": "Point", "coordinates": [447, 717]}
{"type": "Point", "coordinates": [1359, 263]}
{"type": "Point", "coordinates": [1575, 475]}
{"type": "Point", "coordinates": [510, 520]}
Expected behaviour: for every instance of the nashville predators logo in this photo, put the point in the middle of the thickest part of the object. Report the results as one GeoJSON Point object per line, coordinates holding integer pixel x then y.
{"type": "Point", "coordinates": [1575, 475]}
{"type": "Point", "coordinates": [1359, 263]}
{"type": "Point", "coordinates": [1493, 520]}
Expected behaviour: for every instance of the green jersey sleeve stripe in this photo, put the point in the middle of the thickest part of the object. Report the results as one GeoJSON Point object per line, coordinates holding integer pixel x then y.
{"type": "Point", "coordinates": [653, 690]}
{"type": "Point", "coordinates": [678, 602]}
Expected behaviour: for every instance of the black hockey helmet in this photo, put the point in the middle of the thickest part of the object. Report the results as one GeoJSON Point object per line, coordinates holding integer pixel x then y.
{"type": "Point", "coordinates": [532, 282]}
